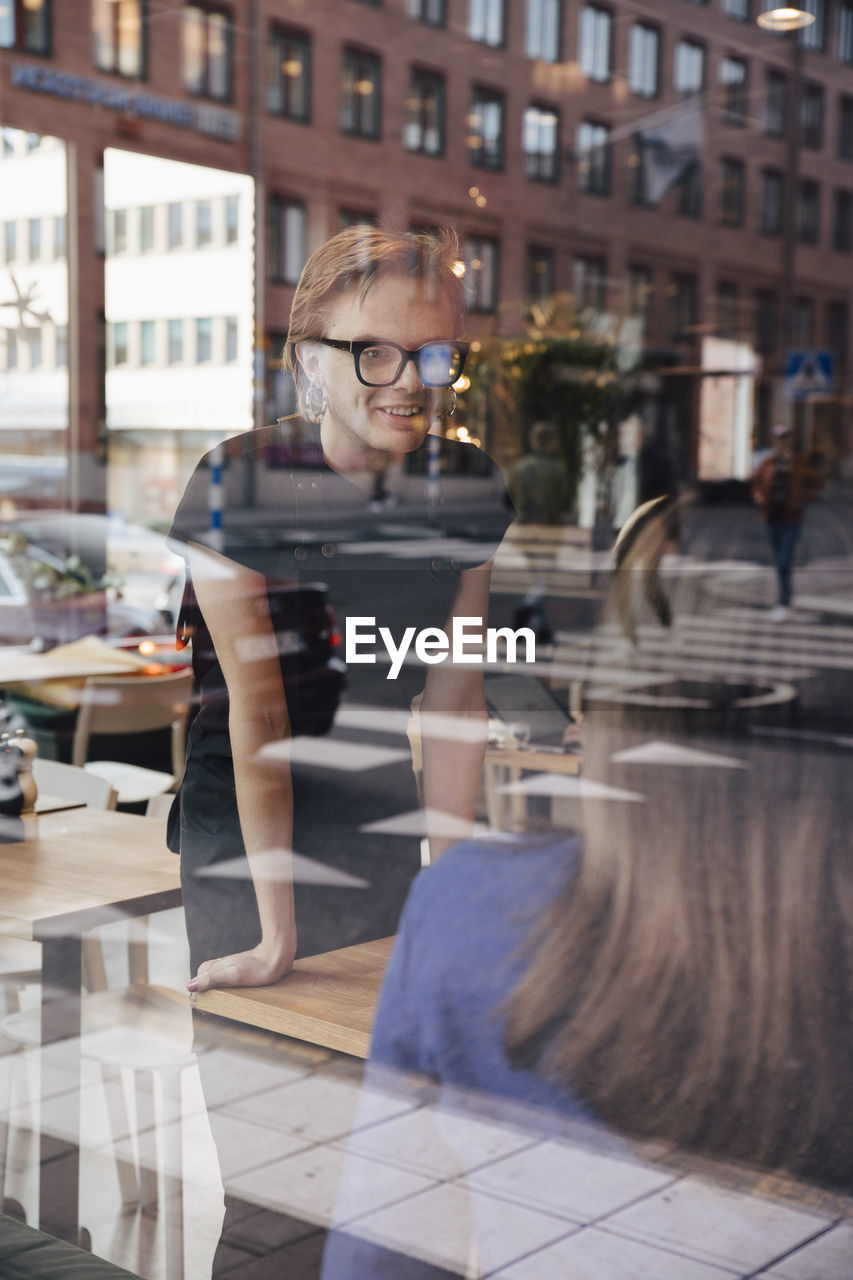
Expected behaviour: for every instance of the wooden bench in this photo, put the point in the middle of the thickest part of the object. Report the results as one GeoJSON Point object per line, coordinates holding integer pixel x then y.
{"type": "Point", "coordinates": [327, 1000]}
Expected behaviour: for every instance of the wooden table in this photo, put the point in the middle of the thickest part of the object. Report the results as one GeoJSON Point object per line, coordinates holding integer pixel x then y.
{"type": "Point", "coordinates": [505, 765]}
{"type": "Point", "coordinates": [76, 870]}
{"type": "Point", "coordinates": [328, 1000]}
{"type": "Point", "coordinates": [57, 804]}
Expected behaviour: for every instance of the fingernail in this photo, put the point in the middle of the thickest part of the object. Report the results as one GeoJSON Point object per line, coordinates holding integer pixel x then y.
{"type": "Point", "coordinates": [192, 986]}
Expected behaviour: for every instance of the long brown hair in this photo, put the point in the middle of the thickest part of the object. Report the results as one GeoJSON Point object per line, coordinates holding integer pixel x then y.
{"type": "Point", "coordinates": [695, 980]}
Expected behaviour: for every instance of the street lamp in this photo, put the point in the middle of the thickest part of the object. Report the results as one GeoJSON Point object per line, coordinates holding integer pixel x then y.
{"type": "Point", "coordinates": [788, 20]}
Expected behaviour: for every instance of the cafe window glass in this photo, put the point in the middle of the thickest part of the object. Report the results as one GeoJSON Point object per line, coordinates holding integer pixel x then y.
{"type": "Point", "coordinates": [542, 37]}
{"type": "Point", "coordinates": [689, 72]}
{"type": "Point", "coordinates": [208, 51]}
{"type": "Point", "coordinates": [486, 129]}
{"type": "Point", "coordinates": [486, 20]}
{"type": "Point", "coordinates": [425, 124]}
{"type": "Point", "coordinates": [644, 60]}
{"type": "Point", "coordinates": [482, 261]}
{"type": "Point", "coordinates": [732, 192]}
{"type": "Point", "coordinates": [431, 12]}
{"type": "Point", "coordinates": [289, 74]}
{"type": "Point", "coordinates": [771, 208]}
{"type": "Point", "coordinates": [593, 158]}
{"type": "Point", "coordinates": [596, 30]}
{"type": "Point", "coordinates": [118, 27]}
{"type": "Point", "coordinates": [287, 226]}
{"type": "Point", "coordinates": [361, 94]}
{"type": "Point", "coordinates": [776, 104]}
{"type": "Point", "coordinates": [733, 78]}
{"type": "Point", "coordinates": [540, 136]}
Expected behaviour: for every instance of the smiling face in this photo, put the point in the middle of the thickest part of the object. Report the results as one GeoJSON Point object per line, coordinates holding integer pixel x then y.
{"type": "Point", "coordinates": [361, 421]}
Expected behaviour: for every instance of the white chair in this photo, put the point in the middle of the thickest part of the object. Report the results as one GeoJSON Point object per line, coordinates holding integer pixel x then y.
{"type": "Point", "coordinates": [68, 782]}
{"type": "Point", "coordinates": [131, 705]}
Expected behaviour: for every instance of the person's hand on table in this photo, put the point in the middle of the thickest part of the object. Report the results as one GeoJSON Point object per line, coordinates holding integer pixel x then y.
{"type": "Point", "coordinates": [256, 968]}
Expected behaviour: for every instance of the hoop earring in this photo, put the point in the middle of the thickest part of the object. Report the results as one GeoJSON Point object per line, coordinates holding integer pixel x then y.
{"type": "Point", "coordinates": [316, 403]}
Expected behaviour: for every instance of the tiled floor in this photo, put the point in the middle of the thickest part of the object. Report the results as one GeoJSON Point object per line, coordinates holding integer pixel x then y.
{"type": "Point", "coordinates": [304, 1147]}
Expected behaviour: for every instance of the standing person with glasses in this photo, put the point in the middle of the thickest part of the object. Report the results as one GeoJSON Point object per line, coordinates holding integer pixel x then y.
{"type": "Point", "coordinates": [374, 349]}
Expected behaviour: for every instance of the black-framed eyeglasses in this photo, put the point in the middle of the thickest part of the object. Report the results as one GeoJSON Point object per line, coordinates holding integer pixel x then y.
{"type": "Point", "coordinates": [378, 364]}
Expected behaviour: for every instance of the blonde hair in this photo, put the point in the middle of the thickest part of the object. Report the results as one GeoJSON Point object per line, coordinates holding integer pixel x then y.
{"type": "Point", "coordinates": [355, 258]}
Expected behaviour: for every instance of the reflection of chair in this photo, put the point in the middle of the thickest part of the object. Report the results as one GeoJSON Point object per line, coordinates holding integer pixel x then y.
{"type": "Point", "coordinates": [70, 783]}
{"type": "Point", "coordinates": [134, 704]}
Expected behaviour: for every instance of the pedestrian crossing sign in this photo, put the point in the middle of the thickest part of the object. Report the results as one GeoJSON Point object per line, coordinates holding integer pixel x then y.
{"type": "Point", "coordinates": [808, 374]}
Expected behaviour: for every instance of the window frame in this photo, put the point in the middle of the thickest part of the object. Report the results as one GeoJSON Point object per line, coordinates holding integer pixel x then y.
{"type": "Point", "coordinates": [639, 32]}
{"type": "Point", "coordinates": [597, 17]}
{"type": "Point", "coordinates": [808, 212]}
{"type": "Point", "coordinates": [582, 273]}
{"type": "Point", "coordinates": [770, 179]}
{"type": "Point", "coordinates": [355, 62]}
{"type": "Point", "coordinates": [548, 43]}
{"type": "Point", "coordinates": [288, 44]}
{"type": "Point", "coordinates": [421, 81]}
{"type": "Point", "coordinates": [533, 254]}
{"type": "Point", "coordinates": [278, 255]}
{"type": "Point", "coordinates": [209, 9]}
{"type": "Point", "coordinates": [594, 179]}
{"type": "Point", "coordinates": [812, 130]}
{"type": "Point", "coordinates": [735, 110]}
{"type": "Point", "coordinates": [22, 22]}
{"type": "Point", "coordinates": [419, 11]}
{"type": "Point", "coordinates": [115, 69]}
{"type": "Point", "coordinates": [697, 49]}
{"type": "Point", "coordinates": [473, 252]}
{"type": "Point", "coordinates": [482, 24]}
{"type": "Point", "coordinates": [775, 86]}
{"type": "Point", "coordinates": [842, 223]}
{"type": "Point", "coordinates": [539, 165]}
{"type": "Point", "coordinates": [732, 180]}
{"type": "Point", "coordinates": [480, 156]}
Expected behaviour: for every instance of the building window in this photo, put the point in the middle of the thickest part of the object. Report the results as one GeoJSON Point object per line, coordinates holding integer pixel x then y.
{"type": "Point", "coordinates": [689, 74]}
{"type": "Point", "coordinates": [802, 322]}
{"type": "Point", "coordinates": [596, 27]}
{"type": "Point", "coordinates": [289, 74]}
{"type": "Point", "coordinates": [25, 25]}
{"type": "Point", "coordinates": [208, 49]}
{"type": "Point", "coordinates": [203, 223]}
{"type": "Point", "coordinates": [61, 348]}
{"type": "Point", "coordinates": [119, 231]}
{"type": "Point", "coordinates": [776, 104]}
{"type": "Point", "coordinates": [175, 224]}
{"type": "Point", "coordinates": [640, 294]}
{"type": "Point", "coordinates": [34, 239]}
{"type": "Point", "coordinates": [34, 342]}
{"type": "Point", "coordinates": [60, 236]}
{"type": "Point", "coordinates": [733, 78]}
{"type": "Point", "coordinates": [120, 349]}
{"type": "Point", "coordinates": [486, 21]}
{"type": "Point", "coordinates": [738, 9]}
{"type": "Point", "coordinates": [482, 263]}
{"type": "Point", "coordinates": [10, 241]}
{"type": "Point", "coordinates": [11, 349]}
{"type": "Point", "coordinates": [176, 342]}
{"type": "Point", "coordinates": [593, 158]}
{"type": "Point", "coordinates": [361, 94]}
{"type": "Point", "coordinates": [814, 35]}
{"type": "Point", "coordinates": [690, 194]}
{"type": "Point", "coordinates": [425, 124]}
{"type": "Point", "coordinates": [542, 39]}
{"type": "Point", "coordinates": [845, 128]}
{"type": "Point", "coordinates": [203, 340]}
{"type": "Point", "coordinates": [637, 187]}
{"type": "Point", "coordinates": [432, 12]}
{"type": "Point", "coordinates": [356, 218]}
{"type": "Point", "coordinates": [147, 342]}
{"type": "Point", "coordinates": [811, 116]}
{"type": "Point", "coordinates": [732, 192]}
{"type": "Point", "coordinates": [287, 226]}
{"type": "Point", "coordinates": [540, 139]}
{"type": "Point", "coordinates": [119, 30]}
{"type": "Point", "coordinates": [728, 310]}
{"type": "Point", "coordinates": [683, 298]}
{"type": "Point", "coordinates": [766, 321]}
{"type": "Point", "coordinates": [845, 33]}
{"type": "Point", "coordinates": [486, 129]}
{"type": "Point", "coordinates": [838, 331]}
{"type": "Point", "coordinates": [146, 229]}
{"type": "Point", "coordinates": [644, 60]}
{"type": "Point", "coordinates": [808, 212]}
{"type": "Point", "coordinates": [842, 238]}
{"type": "Point", "coordinates": [232, 340]}
{"type": "Point", "coordinates": [540, 275]}
{"type": "Point", "coordinates": [589, 283]}
{"type": "Point", "coordinates": [772, 209]}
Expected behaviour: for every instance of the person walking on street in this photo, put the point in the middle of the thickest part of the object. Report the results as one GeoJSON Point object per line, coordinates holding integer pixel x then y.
{"type": "Point", "coordinates": [783, 485]}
